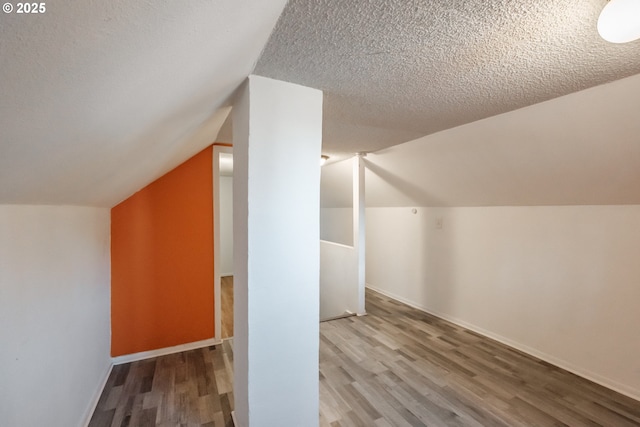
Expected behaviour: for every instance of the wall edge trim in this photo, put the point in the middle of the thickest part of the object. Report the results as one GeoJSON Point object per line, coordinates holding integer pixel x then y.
{"type": "Point", "coordinates": [93, 403]}
{"type": "Point", "coordinates": [134, 357]}
{"type": "Point", "coordinates": [560, 363]}
{"type": "Point", "coordinates": [235, 421]}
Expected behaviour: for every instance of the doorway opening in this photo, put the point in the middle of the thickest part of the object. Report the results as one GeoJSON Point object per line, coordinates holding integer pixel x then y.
{"type": "Point", "coordinates": [223, 240]}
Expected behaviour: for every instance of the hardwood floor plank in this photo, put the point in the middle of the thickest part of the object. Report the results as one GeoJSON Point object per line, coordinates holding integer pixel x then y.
{"type": "Point", "coordinates": [103, 418]}
{"type": "Point", "coordinates": [395, 367]}
{"type": "Point", "coordinates": [147, 418]}
{"type": "Point", "coordinates": [120, 373]}
{"type": "Point", "coordinates": [173, 390]}
{"type": "Point", "coordinates": [416, 369]}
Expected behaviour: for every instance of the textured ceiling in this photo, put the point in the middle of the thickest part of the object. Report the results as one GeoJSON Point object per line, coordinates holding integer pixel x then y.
{"type": "Point", "coordinates": [99, 98]}
{"type": "Point", "coordinates": [393, 70]}
{"type": "Point", "coordinates": [579, 149]}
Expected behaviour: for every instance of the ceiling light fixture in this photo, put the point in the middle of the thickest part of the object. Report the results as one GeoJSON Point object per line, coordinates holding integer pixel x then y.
{"type": "Point", "coordinates": [323, 160]}
{"type": "Point", "coordinates": [619, 21]}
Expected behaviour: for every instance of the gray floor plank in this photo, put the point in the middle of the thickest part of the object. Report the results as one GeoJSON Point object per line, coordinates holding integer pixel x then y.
{"type": "Point", "coordinates": [397, 367]}
{"type": "Point", "coordinates": [416, 369]}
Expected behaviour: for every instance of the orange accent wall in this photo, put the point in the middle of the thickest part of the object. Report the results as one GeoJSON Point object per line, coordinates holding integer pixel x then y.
{"type": "Point", "coordinates": [162, 261]}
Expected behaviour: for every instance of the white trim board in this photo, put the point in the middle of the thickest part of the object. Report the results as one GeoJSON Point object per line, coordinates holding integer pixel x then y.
{"type": "Point", "coordinates": [329, 242]}
{"type": "Point", "coordinates": [342, 316]}
{"type": "Point", "coordinates": [591, 376]}
{"type": "Point", "coordinates": [233, 418]}
{"type": "Point", "coordinates": [96, 396]}
{"type": "Point", "coordinates": [127, 358]}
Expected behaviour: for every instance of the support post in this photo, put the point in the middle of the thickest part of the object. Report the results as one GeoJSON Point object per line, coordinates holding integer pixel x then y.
{"type": "Point", "coordinates": [277, 143]}
{"type": "Point", "coordinates": [359, 226]}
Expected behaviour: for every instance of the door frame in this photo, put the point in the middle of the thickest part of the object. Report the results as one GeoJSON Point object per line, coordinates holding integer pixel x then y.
{"type": "Point", "coordinates": [217, 291]}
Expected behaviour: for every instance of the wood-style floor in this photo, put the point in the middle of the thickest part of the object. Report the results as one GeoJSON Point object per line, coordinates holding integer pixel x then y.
{"type": "Point", "coordinates": [193, 388]}
{"type": "Point", "coordinates": [401, 367]}
{"type": "Point", "coordinates": [397, 366]}
{"type": "Point", "coordinates": [226, 289]}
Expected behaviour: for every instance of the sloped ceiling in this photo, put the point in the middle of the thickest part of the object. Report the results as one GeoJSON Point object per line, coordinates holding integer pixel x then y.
{"type": "Point", "coordinates": [580, 149]}
{"type": "Point", "coordinates": [395, 70]}
{"type": "Point", "coordinates": [99, 98]}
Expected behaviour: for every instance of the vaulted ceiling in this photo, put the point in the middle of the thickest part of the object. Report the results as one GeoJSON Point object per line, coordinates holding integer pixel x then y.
{"type": "Point", "coordinates": [97, 99]}
{"type": "Point", "coordinates": [579, 149]}
{"type": "Point", "coordinates": [395, 70]}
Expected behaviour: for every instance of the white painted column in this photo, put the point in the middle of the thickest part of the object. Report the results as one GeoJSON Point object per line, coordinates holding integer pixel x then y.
{"type": "Point", "coordinates": [277, 143]}
{"type": "Point", "coordinates": [359, 234]}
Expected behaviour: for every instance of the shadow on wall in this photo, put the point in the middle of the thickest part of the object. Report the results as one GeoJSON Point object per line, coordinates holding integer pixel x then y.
{"type": "Point", "coordinates": [413, 192]}
{"type": "Point", "coordinates": [428, 233]}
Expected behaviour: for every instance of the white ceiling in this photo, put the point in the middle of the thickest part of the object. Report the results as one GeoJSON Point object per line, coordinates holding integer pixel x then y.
{"type": "Point", "coordinates": [99, 98]}
{"type": "Point", "coordinates": [580, 149]}
{"type": "Point", "coordinates": [394, 70]}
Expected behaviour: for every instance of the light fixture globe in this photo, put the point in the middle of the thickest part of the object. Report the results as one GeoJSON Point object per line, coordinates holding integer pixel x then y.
{"type": "Point", "coordinates": [619, 21]}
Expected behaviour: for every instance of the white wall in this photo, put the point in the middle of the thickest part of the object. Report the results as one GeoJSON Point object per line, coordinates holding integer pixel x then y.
{"type": "Point", "coordinates": [339, 293]}
{"type": "Point", "coordinates": [579, 149]}
{"type": "Point", "coordinates": [277, 255]}
{"type": "Point", "coordinates": [342, 249]}
{"type": "Point", "coordinates": [562, 283]}
{"type": "Point", "coordinates": [336, 202]}
{"type": "Point", "coordinates": [336, 184]}
{"type": "Point", "coordinates": [336, 225]}
{"type": "Point", "coordinates": [54, 313]}
{"type": "Point", "coordinates": [226, 226]}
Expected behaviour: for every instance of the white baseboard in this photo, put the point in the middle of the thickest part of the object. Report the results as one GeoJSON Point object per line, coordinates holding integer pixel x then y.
{"type": "Point", "coordinates": [96, 396]}
{"type": "Point", "coordinates": [341, 316]}
{"type": "Point", "coordinates": [127, 358]}
{"type": "Point", "coordinates": [567, 366]}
